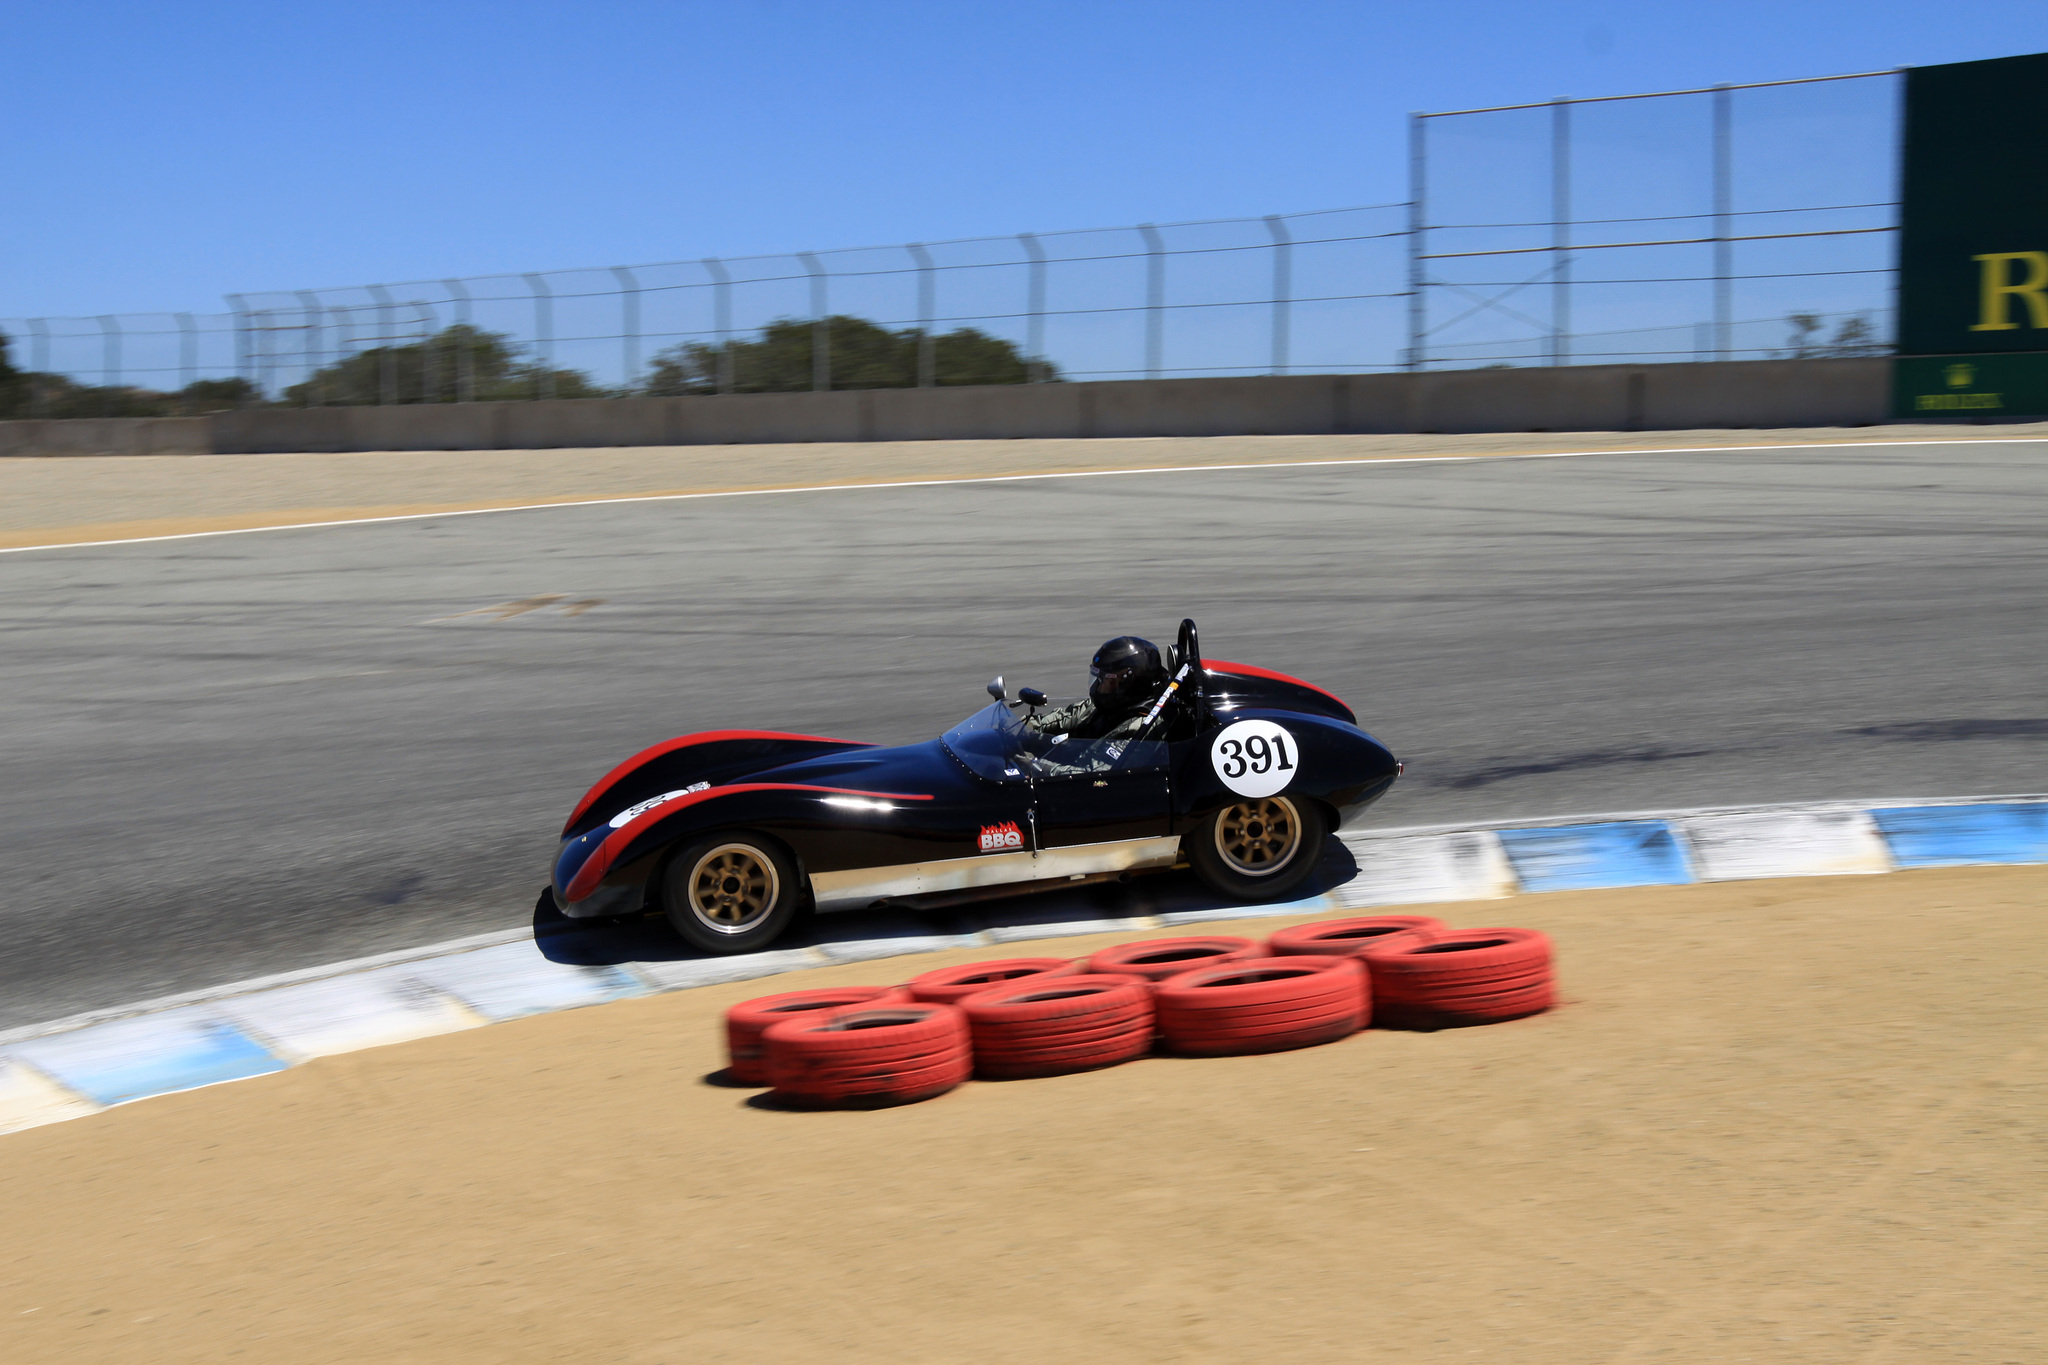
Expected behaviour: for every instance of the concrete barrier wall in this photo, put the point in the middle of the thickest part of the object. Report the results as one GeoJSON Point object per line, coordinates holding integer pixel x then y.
{"type": "Point", "coordinates": [108, 436]}
{"type": "Point", "coordinates": [1761, 393]}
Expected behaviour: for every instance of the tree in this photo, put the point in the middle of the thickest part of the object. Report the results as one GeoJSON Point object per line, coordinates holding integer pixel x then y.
{"type": "Point", "coordinates": [13, 383]}
{"type": "Point", "coordinates": [216, 395]}
{"type": "Point", "coordinates": [456, 363]}
{"type": "Point", "coordinates": [56, 395]}
{"type": "Point", "coordinates": [1854, 336]}
{"type": "Point", "coordinates": [29, 393]}
{"type": "Point", "coordinates": [863, 355]}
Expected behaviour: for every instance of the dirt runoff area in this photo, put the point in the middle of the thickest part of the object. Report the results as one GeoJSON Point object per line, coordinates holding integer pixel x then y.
{"type": "Point", "coordinates": [72, 499]}
{"type": "Point", "coordinates": [1784, 1121]}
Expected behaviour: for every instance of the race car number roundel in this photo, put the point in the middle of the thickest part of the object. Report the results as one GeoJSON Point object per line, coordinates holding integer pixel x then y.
{"type": "Point", "coordinates": [1254, 757]}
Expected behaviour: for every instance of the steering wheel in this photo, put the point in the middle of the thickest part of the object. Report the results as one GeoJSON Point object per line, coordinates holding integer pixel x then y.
{"type": "Point", "coordinates": [1030, 742]}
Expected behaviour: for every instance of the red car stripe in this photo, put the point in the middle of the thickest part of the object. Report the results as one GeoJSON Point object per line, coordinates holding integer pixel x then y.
{"type": "Point", "coordinates": [602, 857]}
{"type": "Point", "coordinates": [1254, 671]}
{"type": "Point", "coordinates": [689, 741]}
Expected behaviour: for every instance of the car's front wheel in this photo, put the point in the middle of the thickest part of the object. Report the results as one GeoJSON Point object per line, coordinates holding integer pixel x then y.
{"type": "Point", "coordinates": [731, 892]}
{"type": "Point", "coordinates": [1257, 848]}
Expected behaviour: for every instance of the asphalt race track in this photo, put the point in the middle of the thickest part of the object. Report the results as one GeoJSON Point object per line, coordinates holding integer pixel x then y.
{"type": "Point", "coordinates": [244, 754]}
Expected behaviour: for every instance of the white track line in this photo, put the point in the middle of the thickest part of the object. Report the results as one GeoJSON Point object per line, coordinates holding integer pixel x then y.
{"type": "Point", "coordinates": [1030, 478]}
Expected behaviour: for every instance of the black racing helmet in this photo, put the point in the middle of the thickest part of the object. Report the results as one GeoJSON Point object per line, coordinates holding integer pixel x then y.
{"type": "Point", "coordinates": [1125, 673]}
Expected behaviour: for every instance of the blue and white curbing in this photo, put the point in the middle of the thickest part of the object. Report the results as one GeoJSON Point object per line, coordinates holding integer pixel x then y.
{"type": "Point", "coordinates": [69, 1068]}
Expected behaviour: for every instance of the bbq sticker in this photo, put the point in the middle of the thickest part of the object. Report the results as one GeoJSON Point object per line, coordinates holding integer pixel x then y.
{"type": "Point", "coordinates": [1254, 757]}
{"type": "Point", "coordinates": [998, 838]}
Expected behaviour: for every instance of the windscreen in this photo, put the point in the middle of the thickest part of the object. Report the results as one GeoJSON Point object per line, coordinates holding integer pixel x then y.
{"type": "Point", "coordinates": [988, 742]}
{"type": "Point", "coordinates": [995, 744]}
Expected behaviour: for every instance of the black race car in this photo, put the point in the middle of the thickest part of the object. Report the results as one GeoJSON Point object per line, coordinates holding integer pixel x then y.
{"type": "Point", "coordinates": [1239, 772]}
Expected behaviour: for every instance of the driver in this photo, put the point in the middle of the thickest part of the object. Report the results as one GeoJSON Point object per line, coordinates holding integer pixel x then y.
{"type": "Point", "coordinates": [1126, 675]}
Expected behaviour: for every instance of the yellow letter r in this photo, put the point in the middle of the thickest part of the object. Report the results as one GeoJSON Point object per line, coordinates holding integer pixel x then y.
{"type": "Point", "coordinates": [1999, 287]}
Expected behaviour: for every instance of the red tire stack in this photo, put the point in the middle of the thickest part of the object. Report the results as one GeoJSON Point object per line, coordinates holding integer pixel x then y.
{"type": "Point", "coordinates": [868, 1046]}
{"type": "Point", "coordinates": [1050, 1025]}
{"type": "Point", "coordinates": [869, 1056]}
{"type": "Point", "coordinates": [1346, 937]}
{"type": "Point", "coordinates": [1446, 977]}
{"type": "Point", "coordinates": [1262, 1005]}
{"type": "Point", "coordinates": [951, 985]}
{"type": "Point", "coordinates": [745, 1052]}
{"type": "Point", "coordinates": [1156, 959]}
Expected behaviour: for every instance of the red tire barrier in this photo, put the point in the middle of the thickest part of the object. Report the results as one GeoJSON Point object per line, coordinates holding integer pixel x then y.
{"type": "Point", "coordinates": [1063, 1061]}
{"type": "Point", "coordinates": [1052, 1025]}
{"type": "Point", "coordinates": [1262, 1005]}
{"type": "Point", "coordinates": [1449, 977]}
{"type": "Point", "coordinates": [882, 1088]}
{"type": "Point", "coordinates": [747, 1055]}
{"type": "Point", "coordinates": [1158, 958]}
{"type": "Point", "coordinates": [1239, 1043]}
{"type": "Point", "coordinates": [867, 1056]}
{"type": "Point", "coordinates": [990, 1039]}
{"type": "Point", "coordinates": [951, 985]}
{"type": "Point", "coordinates": [1346, 937]}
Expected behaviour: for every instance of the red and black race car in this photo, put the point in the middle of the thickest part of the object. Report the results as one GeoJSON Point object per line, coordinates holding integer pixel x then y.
{"type": "Point", "coordinates": [1239, 772]}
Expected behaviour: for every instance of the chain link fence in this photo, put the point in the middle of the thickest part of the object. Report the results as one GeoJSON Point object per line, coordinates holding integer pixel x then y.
{"type": "Point", "coordinates": [1241, 296]}
{"type": "Point", "coordinates": [1746, 221]}
{"type": "Point", "coordinates": [1737, 222]}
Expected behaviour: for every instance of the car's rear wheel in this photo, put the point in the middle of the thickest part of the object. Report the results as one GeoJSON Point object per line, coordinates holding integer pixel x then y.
{"type": "Point", "coordinates": [731, 892]}
{"type": "Point", "coordinates": [1257, 848]}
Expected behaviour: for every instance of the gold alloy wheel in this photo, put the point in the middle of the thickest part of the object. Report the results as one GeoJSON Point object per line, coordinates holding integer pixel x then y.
{"type": "Point", "coordinates": [1258, 838]}
{"type": "Point", "coordinates": [733, 888]}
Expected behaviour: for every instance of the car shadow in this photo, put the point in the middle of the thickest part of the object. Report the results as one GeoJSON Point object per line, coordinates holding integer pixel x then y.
{"type": "Point", "coordinates": [648, 937]}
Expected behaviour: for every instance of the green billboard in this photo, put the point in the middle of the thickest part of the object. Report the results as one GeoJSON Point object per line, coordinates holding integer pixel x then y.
{"type": "Point", "coordinates": [1973, 243]}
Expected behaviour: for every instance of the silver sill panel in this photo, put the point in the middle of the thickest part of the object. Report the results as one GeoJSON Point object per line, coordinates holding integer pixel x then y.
{"type": "Point", "coordinates": [860, 885]}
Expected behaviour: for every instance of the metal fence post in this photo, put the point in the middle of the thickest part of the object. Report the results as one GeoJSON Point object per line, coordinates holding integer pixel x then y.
{"type": "Point", "coordinates": [430, 372]}
{"type": "Point", "coordinates": [188, 350]}
{"type": "Point", "coordinates": [342, 319]}
{"type": "Point", "coordinates": [260, 340]}
{"type": "Point", "coordinates": [821, 330]}
{"type": "Point", "coordinates": [387, 363]}
{"type": "Point", "coordinates": [629, 314]}
{"type": "Point", "coordinates": [343, 316]}
{"type": "Point", "coordinates": [1418, 166]}
{"type": "Point", "coordinates": [1283, 288]}
{"type": "Point", "coordinates": [39, 363]}
{"type": "Point", "coordinates": [315, 349]}
{"type": "Point", "coordinates": [721, 319]}
{"type": "Point", "coordinates": [927, 304]}
{"type": "Point", "coordinates": [1724, 205]}
{"type": "Point", "coordinates": [1560, 234]}
{"type": "Point", "coordinates": [110, 359]}
{"type": "Point", "coordinates": [465, 348]}
{"type": "Point", "coordinates": [544, 334]}
{"type": "Point", "coordinates": [1155, 299]}
{"type": "Point", "coordinates": [1034, 307]}
{"type": "Point", "coordinates": [240, 308]}
{"type": "Point", "coordinates": [1898, 141]}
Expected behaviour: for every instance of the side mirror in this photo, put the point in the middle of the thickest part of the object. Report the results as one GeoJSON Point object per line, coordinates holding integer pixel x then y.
{"type": "Point", "coordinates": [995, 687]}
{"type": "Point", "coordinates": [1032, 697]}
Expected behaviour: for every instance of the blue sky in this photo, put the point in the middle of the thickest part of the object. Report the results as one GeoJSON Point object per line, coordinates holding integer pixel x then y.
{"type": "Point", "coordinates": [160, 155]}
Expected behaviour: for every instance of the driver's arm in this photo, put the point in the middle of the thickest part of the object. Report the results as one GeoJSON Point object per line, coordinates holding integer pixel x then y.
{"type": "Point", "coordinates": [1060, 720]}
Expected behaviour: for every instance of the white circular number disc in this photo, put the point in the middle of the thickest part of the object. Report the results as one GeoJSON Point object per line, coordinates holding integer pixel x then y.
{"type": "Point", "coordinates": [1255, 757]}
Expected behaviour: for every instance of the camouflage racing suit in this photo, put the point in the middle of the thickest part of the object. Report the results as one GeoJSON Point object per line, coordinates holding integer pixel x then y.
{"type": "Point", "coordinates": [1080, 721]}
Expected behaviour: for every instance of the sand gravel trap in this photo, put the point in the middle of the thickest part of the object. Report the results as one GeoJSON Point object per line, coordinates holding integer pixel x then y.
{"type": "Point", "coordinates": [65, 500]}
{"type": "Point", "coordinates": [1795, 1121]}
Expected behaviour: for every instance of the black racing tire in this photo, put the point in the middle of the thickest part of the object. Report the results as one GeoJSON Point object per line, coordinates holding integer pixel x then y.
{"type": "Point", "coordinates": [1268, 867]}
{"type": "Point", "coordinates": [735, 891]}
